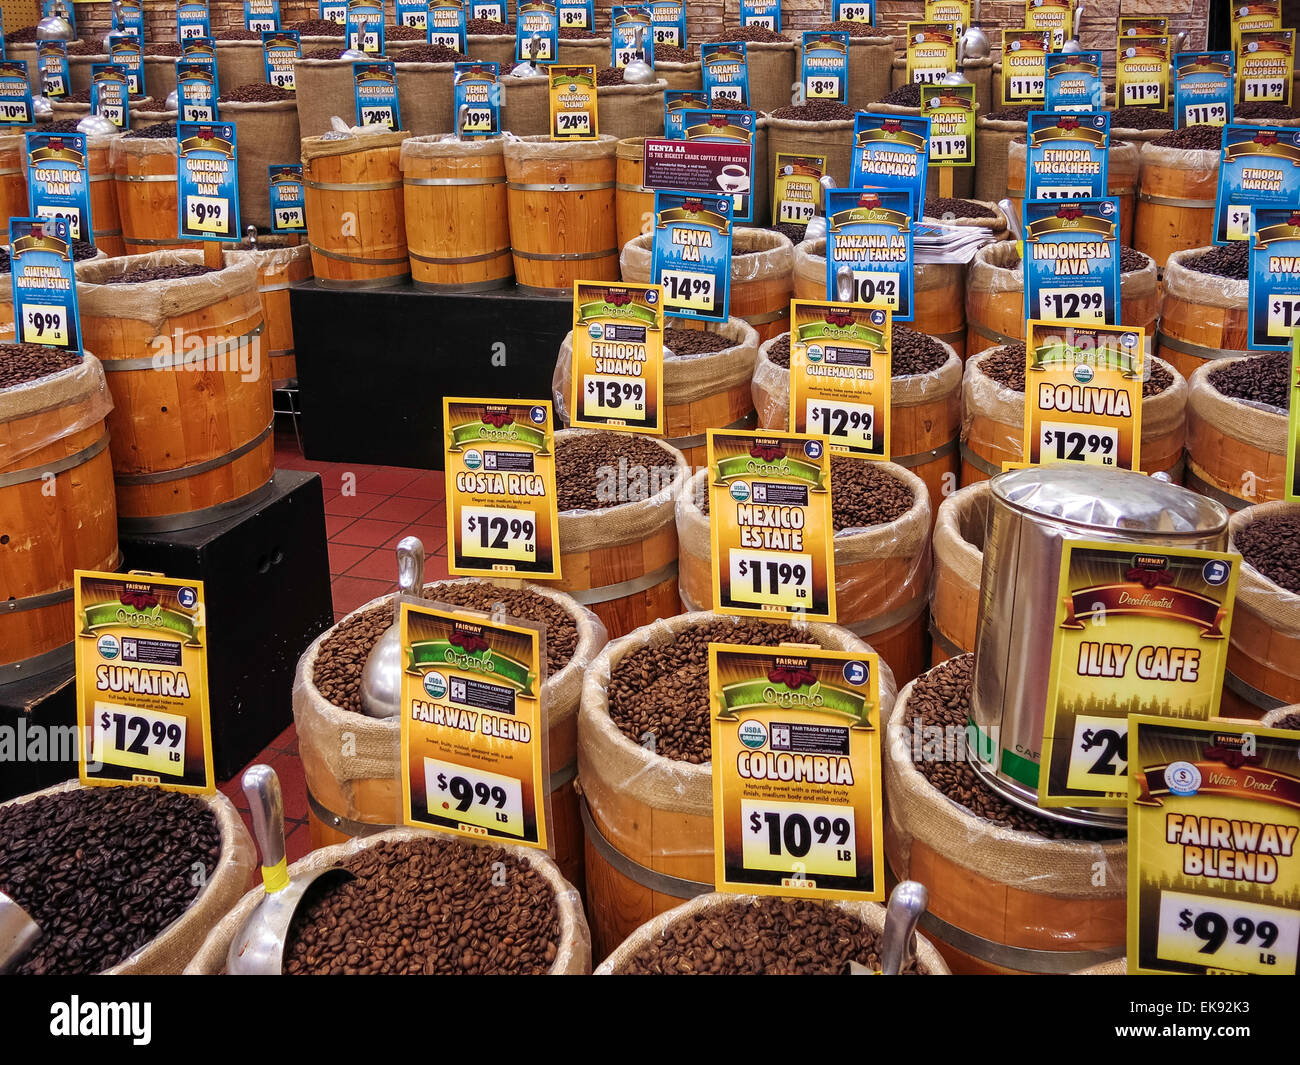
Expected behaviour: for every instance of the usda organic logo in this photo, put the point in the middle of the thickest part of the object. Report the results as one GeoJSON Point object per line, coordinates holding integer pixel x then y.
{"type": "Point", "coordinates": [108, 647]}
{"type": "Point", "coordinates": [1083, 373]}
{"type": "Point", "coordinates": [752, 734]}
{"type": "Point", "coordinates": [435, 684]}
{"type": "Point", "coordinates": [739, 491]}
{"type": "Point", "coordinates": [473, 460]}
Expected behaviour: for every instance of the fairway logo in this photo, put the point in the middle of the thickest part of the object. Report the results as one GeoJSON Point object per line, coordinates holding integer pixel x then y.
{"type": "Point", "coordinates": [117, 1019]}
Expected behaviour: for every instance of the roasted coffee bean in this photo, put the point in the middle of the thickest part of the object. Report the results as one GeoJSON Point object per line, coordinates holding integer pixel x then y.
{"type": "Point", "coordinates": [577, 33]}
{"type": "Point", "coordinates": [158, 131]}
{"type": "Point", "coordinates": [816, 111]}
{"type": "Point", "coordinates": [1230, 260]}
{"type": "Point", "coordinates": [670, 53]}
{"type": "Point", "coordinates": [82, 96]}
{"type": "Point", "coordinates": [158, 273]}
{"type": "Point", "coordinates": [20, 363]}
{"type": "Point", "coordinates": [256, 92]}
{"type": "Point", "coordinates": [318, 27]}
{"type": "Point", "coordinates": [1291, 721]}
{"type": "Point", "coordinates": [1259, 379]}
{"type": "Point", "coordinates": [791, 230]}
{"type": "Point", "coordinates": [87, 48]}
{"type": "Point", "coordinates": [1006, 365]}
{"type": "Point", "coordinates": [164, 48]}
{"type": "Point", "coordinates": [684, 342]}
{"type": "Point", "coordinates": [778, 353]}
{"type": "Point", "coordinates": [1272, 545]}
{"type": "Point", "coordinates": [405, 33]}
{"type": "Point", "coordinates": [1141, 118]}
{"type": "Point", "coordinates": [762, 937]}
{"type": "Point", "coordinates": [857, 29]}
{"type": "Point", "coordinates": [561, 629]}
{"type": "Point", "coordinates": [104, 870]}
{"type": "Point", "coordinates": [485, 27]}
{"type": "Point", "coordinates": [343, 655]}
{"type": "Point", "coordinates": [237, 33]}
{"type": "Point", "coordinates": [664, 690]}
{"type": "Point", "coordinates": [326, 53]}
{"type": "Point", "coordinates": [1192, 137]}
{"type": "Point", "coordinates": [609, 76]}
{"type": "Point", "coordinates": [941, 699]}
{"type": "Point", "coordinates": [864, 494]}
{"type": "Point", "coordinates": [904, 96]}
{"type": "Point", "coordinates": [150, 106]}
{"type": "Point", "coordinates": [64, 125]}
{"type": "Point", "coordinates": [1016, 113]}
{"type": "Point", "coordinates": [754, 33]}
{"type": "Point", "coordinates": [949, 206]}
{"type": "Point", "coordinates": [428, 907]}
{"type": "Point", "coordinates": [598, 470]}
{"type": "Point", "coordinates": [81, 249]}
{"type": "Point", "coordinates": [1266, 109]}
{"type": "Point", "coordinates": [23, 35]}
{"type": "Point", "coordinates": [430, 53]}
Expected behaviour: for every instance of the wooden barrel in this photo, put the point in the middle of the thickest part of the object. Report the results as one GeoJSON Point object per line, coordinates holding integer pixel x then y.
{"type": "Point", "coordinates": [1002, 900]}
{"type": "Point", "coordinates": [620, 561]}
{"type": "Point", "coordinates": [762, 281]}
{"type": "Point", "coordinates": [720, 905]}
{"type": "Point", "coordinates": [561, 205]}
{"type": "Point", "coordinates": [572, 951]}
{"type": "Point", "coordinates": [455, 202]}
{"type": "Point", "coordinates": [701, 392]}
{"type": "Point", "coordinates": [938, 292]}
{"type": "Point", "coordinates": [1175, 209]}
{"type": "Point", "coordinates": [924, 417]}
{"type": "Point", "coordinates": [1236, 451]}
{"type": "Point", "coordinates": [995, 297]}
{"type": "Point", "coordinates": [103, 195]}
{"type": "Point", "coordinates": [191, 427]}
{"type": "Point", "coordinates": [1263, 673]}
{"type": "Point", "coordinates": [993, 422]}
{"type": "Point", "coordinates": [350, 761]}
{"type": "Point", "coordinates": [958, 561]}
{"type": "Point", "coordinates": [58, 511]}
{"type": "Point", "coordinates": [649, 819]}
{"type": "Point", "coordinates": [281, 261]}
{"type": "Point", "coordinates": [1203, 317]}
{"type": "Point", "coordinates": [882, 573]}
{"type": "Point", "coordinates": [1121, 180]}
{"type": "Point", "coordinates": [634, 204]}
{"type": "Point", "coordinates": [356, 223]}
{"type": "Point", "coordinates": [993, 139]}
{"type": "Point", "coordinates": [13, 175]}
{"type": "Point", "coordinates": [144, 180]}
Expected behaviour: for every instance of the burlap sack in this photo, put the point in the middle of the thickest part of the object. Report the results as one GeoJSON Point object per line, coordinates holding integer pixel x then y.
{"type": "Point", "coordinates": [869, 70]}
{"type": "Point", "coordinates": [958, 542]}
{"type": "Point", "coordinates": [621, 523]}
{"type": "Point", "coordinates": [79, 70]}
{"type": "Point", "coordinates": [773, 72]}
{"type": "Point", "coordinates": [681, 75]}
{"type": "Point", "coordinates": [687, 379]}
{"type": "Point", "coordinates": [871, 914]}
{"type": "Point", "coordinates": [1114, 967]}
{"type": "Point", "coordinates": [240, 63]}
{"type": "Point", "coordinates": [170, 951]}
{"type": "Point", "coordinates": [1226, 435]}
{"type": "Point", "coordinates": [1192, 299]}
{"type": "Point", "coordinates": [789, 136]}
{"type": "Point", "coordinates": [916, 810]}
{"type": "Point", "coordinates": [588, 52]}
{"type": "Point", "coordinates": [1268, 606]}
{"type": "Point", "coordinates": [493, 48]}
{"type": "Point", "coordinates": [992, 142]}
{"type": "Point", "coordinates": [160, 75]}
{"type": "Point", "coordinates": [323, 89]}
{"type": "Point", "coordinates": [887, 565]}
{"type": "Point", "coordinates": [157, 302]}
{"type": "Point", "coordinates": [81, 391]}
{"type": "Point", "coordinates": [630, 110]}
{"type": "Point", "coordinates": [526, 106]}
{"type": "Point", "coordinates": [610, 765]}
{"type": "Point", "coordinates": [345, 747]}
{"type": "Point", "coordinates": [1139, 136]}
{"type": "Point", "coordinates": [963, 177]}
{"type": "Point", "coordinates": [426, 97]}
{"type": "Point", "coordinates": [573, 954]}
{"type": "Point", "coordinates": [993, 417]}
{"type": "Point", "coordinates": [268, 136]}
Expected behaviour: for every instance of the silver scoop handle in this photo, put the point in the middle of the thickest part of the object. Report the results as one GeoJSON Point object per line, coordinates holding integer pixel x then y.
{"type": "Point", "coordinates": [906, 904]}
{"type": "Point", "coordinates": [266, 805]}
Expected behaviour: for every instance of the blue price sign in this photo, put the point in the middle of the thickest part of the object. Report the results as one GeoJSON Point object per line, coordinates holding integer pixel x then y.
{"type": "Point", "coordinates": [869, 249]}
{"type": "Point", "coordinates": [57, 182]}
{"type": "Point", "coordinates": [1071, 261]}
{"type": "Point", "coordinates": [891, 152]}
{"type": "Point", "coordinates": [1074, 81]}
{"type": "Point", "coordinates": [692, 255]}
{"type": "Point", "coordinates": [207, 173]}
{"type": "Point", "coordinates": [288, 198]}
{"type": "Point", "coordinates": [43, 284]}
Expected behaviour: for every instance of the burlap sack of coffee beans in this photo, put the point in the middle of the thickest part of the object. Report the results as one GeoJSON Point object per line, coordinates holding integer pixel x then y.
{"type": "Point", "coordinates": [526, 106]}
{"type": "Point", "coordinates": [722, 934]}
{"type": "Point", "coordinates": [240, 62]}
{"type": "Point", "coordinates": [268, 136]}
{"type": "Point", "coordinates": [1266, 627]}
{"type": "Point", "coordinates": [992, 144]}
{"type": "Point", "coordinates": [631, 110]}
{"type": "Point", "coordinates": [341, 747]}
{"type": "Point", "coordinates": [323, 89]}
{"type": "Point", "coordinates": [614, 769]}
{"type": "Point", "coordinates": [1220, 420]}
{"type": "Point", "coordinates": [808, 135]}
{"type": "Point", "coordinates": [107, 887]}
{"type": "Point", "coordinates": [462, 914]}
{"type": "Point", "coordinates": [688, 378]}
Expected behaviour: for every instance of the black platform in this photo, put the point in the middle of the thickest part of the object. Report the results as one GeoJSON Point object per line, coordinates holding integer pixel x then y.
{"type": "Point", "coordinates": [375, 364]}
{"type": "Point", "coordinates": [39, 719]}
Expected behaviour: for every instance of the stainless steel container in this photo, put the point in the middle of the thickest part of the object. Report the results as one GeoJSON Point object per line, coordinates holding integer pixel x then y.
{"type": "Point", "coordinates": [1031, 512]}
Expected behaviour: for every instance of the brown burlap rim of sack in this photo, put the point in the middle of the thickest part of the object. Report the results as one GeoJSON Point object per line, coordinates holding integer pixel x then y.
{"type": "Point", "coordinates": [630, 148]}
{"type": "Point", "coordinates": [157, 301]}
{"type": "Point", "coordinates": [326, 730]}
{"type": "Point", "coordinates": [653, 88]}
{"type": "Point", "coordinates": [960, 516]}
{"type": "Point", "coordinates": [124, 146]}
{"type": "Point", "coordinates": [605, 754]}
{"type": "Point", "coordinates": [1257, 593]}
{"type": "Point", "coordinates": [1203, 290]}
{"type": "Point", "coordinates": [449, 146]}
{"type": "Point", "coordinates": [1202, 160]}
{"type": "Point", "coordinates": [1114, 967]}
{"type": "Point", "coordinates": [540, 146]}
{"type": "Point", "coordinates": [799, 125]}
{"type": "Point", "coordinates": [273, 253]}
{"type": "Point", "coordinates": [83, 386]}
{"type": "Point", "coordinates": [408, 67]}
{"type": "Point", "coordinates": [573, 953]}
{"type": "Point", "coordinates": [686, 377]}
{"type": "Point", "coordinates": [234, 107]}
{"type": "Point", "coordinates": [918, 810]}
{"type": "Point", "coordinates": [170, 950]}
{"type": "Point", "coordinates": [623, 523]}
{"type": "Point", "coordinates": [871, 914]}
{"type": "Point", "coordinates": [770, 255]}
{"type": "Point", "coordinates": [1000, 125]}
{"type": "Point", "coordinates": [1262, 427]}
{"type": "Point", "coordinates": [1274, 718]}
{"type": "Point", "coordinates": [320, 148]}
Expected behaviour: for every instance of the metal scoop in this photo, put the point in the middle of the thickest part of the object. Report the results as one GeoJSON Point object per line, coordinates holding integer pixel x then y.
{"type": "Point", "coordinates": [528, 68]}
{"type": "Point", "coordinates": [906, 904]}
{"type": "Point", "coordinates": [1013, 218]}
{"type": "Point", "coordinates": [381, 680]}
{"type": "Point", "coordinates": [1073, 45]}
{"type": "Point", "coordinates": [258, 948]}
{"type": "Point", "coordinates": [18, 933]}
{"type": "Point", "coordinates": [816, 228]}
{"type": "Point", "coordinates": [639, 72]}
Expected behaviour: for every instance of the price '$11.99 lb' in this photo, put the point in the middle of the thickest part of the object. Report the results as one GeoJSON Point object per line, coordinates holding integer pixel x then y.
{"type": "Point", "coordinates": [773, 578]}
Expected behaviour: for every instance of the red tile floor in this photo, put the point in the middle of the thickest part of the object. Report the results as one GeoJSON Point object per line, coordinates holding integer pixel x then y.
{"type": "Point", "coordinates": [367, 510]}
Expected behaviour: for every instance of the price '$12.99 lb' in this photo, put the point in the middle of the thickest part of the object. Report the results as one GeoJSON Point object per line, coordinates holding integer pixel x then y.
{"type": "Point", "coordinates": [499, 533]}
{"type": "Point", "coordinates": [148, 740]}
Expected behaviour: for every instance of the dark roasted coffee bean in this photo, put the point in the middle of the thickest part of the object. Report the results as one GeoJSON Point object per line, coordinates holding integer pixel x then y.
{"type": "Point", "coordinates": [237, 33]}
{"type": "Point", "coordinates": [1006, 365]}
{"type": "Point", "coordinates": [23, 35]}
{"type": "Point", "coordinates": [941, 699]}
{"type": "Point", "coordinates": [256, 92]}
{"type": "Point", "coordinates": [81, 249]}
{"type": "Point", "coordinates": [1231, 261]}
{"type": "Point", "coordinates": [1259, 379]}
{"type": "Point", "coordinates": [681, 341]}
{"type": "Point", "coordinates": [816, 111]}
{"type": "Point", "coordinates": [1141, 118]}
{"type": "Point", "coordinates": [149, 106]}
{"type": "Point", "coordinates": [857, 29]}
{"type": "Point", "coordinates": [87, 48]}
{"type": "Point", "coordinates": [326, 53]}
{"type": "Point", "coordinates": [670, 53]}
{"type": "Point", "coordinates": [64, 125]}
{"type": "Point", "coordinates": [1199, 138]}
{"type": "Point", "coordinates": [20, 363]}
{"type": "Point", "coordinates": [158, 131]}
{"type": "Point", "coordinates": [904, 96]}
{"type": "Point", "coordinates": [762, 937]}
{"type": "Point", "coordinates": [104, 870]}
{"type": "Point", "coordinates": [405, 33]}
{"type": "Point", "coordinates": [164, 48]}
{"type": "Point", "coordinates": [318, 27]}
{"type": "Point", "coordinates": [484, 27]}
{"type": "Point", "coordinates": [82, 96]}
{"type": "Point", "coordinates": [1017, 113]}
{"type": "Point", "coordinates": [609, 76]}
{"type": "Point", "coordinates": [792, 230]}
{"type": "Point", "coordinates": [1266, 109]}
{"type": "Point", "coordinates": [758, 34]}
{"type": "Point", "coordinates": [158, 273]}
{"type": "Point", "coordinates": [428, 907]}
{"type": "Point", "coordinates": [429, 53]}
{"type": "Point", "coordinates": [1291, 721]}
{"type": "Point", "coordinates": [577, 33]}
{"type": "Point", "coordinates": [949, 206]}
{"type": "Point", "coordinates": [598, 470]}
{"type": "Point", "coordinates": [1272, 545]}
